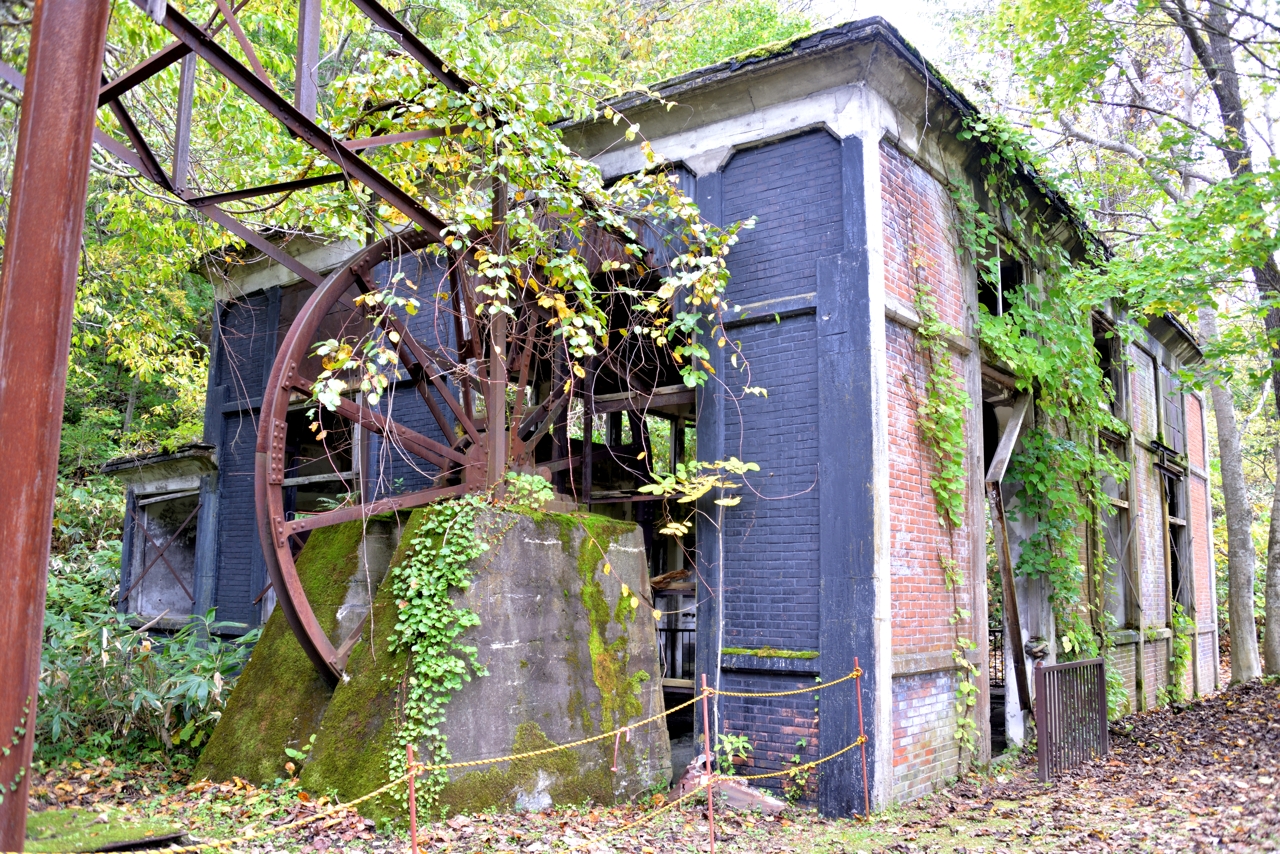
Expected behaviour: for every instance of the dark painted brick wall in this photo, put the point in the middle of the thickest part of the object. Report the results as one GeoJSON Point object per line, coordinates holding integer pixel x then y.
{"type": "Point", "coordinates": [391, 469]}
{"type": "Point", "coordinates": [793, 189]}
{"type": "Point", "coordinates": [245, 353]}
{"type": "Point", "coordinates": [771, 539]}
{"type": "Point", "coordinates": [240, 564]}
{"type": "Point", "coordinates": [775, 725]}
{"type": "Point", "coordinates": [771, 542]}
{"type": "Point", "coordinates": [247, 348]}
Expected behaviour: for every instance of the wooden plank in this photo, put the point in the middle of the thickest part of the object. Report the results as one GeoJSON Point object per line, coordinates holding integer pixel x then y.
{"type": "Point", "coordinates": [638, 401]}
{"type": "Point", "coordinates": [1000, 461]}
{"type": "Point", "coordinates": [1013, 622]}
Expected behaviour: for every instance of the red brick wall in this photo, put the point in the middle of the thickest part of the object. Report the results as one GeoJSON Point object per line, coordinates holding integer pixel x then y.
{"type": "Point", "coordinates": [1201, 547]}
{"type": "Point", "coordinates": [1191, 406]}
{"type": "Point", "coordinates": [924, 746]}
{"type": "Point", "coordinates": [919, 245]}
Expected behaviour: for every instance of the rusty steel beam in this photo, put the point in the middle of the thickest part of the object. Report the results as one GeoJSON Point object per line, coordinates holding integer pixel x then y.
{"type": "Point", "coordinates": [13, 77]}
{"type": "Point", "coordinates": [156, 62]}
{"type": "Point", "coordinates": [267, 190]}
{"type": "Point", "coordinates": [393, 27]}
{"type": "Point", "coordinates": [182, 124]}
{"type": "Point", "coordinates": [151, 167]}
{"type": "Point", "coordinates": [407, 136]}
{"type": "Point", "coordinates": [245, 45]}
{"type": "Point", "coordinates": [37, 301]}
{"type": "Point", "coordinates": [143, 71]}
{"type": "Point", "coordinates": [242, 78]}
{"type": "Point", "coordinates": [262, 244]}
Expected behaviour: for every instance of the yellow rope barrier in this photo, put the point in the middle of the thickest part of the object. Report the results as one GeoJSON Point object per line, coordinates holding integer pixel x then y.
{"type": "Point", "coordinates": [252, 836]}
{"type": "Point", "coordinates": [532, 753]}
{"type": "Point", "coordinates": [818, 687]}
{"type": "Point", "coordinates": [417, 770]}
{"type": "Point", "coordinates": [788, 771]}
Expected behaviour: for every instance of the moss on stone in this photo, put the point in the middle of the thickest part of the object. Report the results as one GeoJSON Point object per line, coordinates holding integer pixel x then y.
{"type": "Point", "coordinates": [610, 660]}
{"type": "Point", "coordinates": [354, 742]}
{"type": "Point", "coordinates": [770, 652]}
{"type": "Point", "coordinates": [71, 830]}
{"type": "Point", "coordinates": [280, 698]}
{"type": "Point", "coordinates": [356, 724]}
{"type": "Point", "coordinates": [559, 772]}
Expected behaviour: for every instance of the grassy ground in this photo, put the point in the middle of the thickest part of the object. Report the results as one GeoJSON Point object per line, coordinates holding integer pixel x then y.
{"type": "Point", "coordinates": [1204, 777]}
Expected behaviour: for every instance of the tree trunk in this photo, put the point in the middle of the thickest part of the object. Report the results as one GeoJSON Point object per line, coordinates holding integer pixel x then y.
{"type": "Point", "coordinates": [1271, 637]}
{"type": "Point", "coordinates": [128, 410]}
{"type": "Point", "coordinates": [1215, 49]}
{"type": "Point", "coordinates": [1241, 559]}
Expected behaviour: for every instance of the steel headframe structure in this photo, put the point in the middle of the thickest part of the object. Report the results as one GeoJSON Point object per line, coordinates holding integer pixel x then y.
{"type": "Point", "coordinates": [63, 88]}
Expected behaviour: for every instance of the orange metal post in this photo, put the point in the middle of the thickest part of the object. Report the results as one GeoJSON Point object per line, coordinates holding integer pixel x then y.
{"type": "Point", "coordinates": [37, 297]}
{"type": "Point", "coordinates": [413, 803]}
{"type": "Point", "coordinates": [706, 741]}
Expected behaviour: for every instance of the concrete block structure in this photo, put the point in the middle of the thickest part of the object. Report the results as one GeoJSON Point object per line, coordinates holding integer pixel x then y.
{"type": "Point", "coordinates": [846, 148]}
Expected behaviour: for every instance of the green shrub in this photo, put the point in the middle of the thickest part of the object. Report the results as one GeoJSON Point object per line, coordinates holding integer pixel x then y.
{"type": "Point", "coordinates": [105, 687]}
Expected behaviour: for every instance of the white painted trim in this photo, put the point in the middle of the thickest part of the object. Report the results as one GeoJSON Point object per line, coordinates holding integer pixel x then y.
{"type": "Point", "coordinates": [321, 257]}
{"type": "Point", "coordinates": [871, 133]}
{"type": "Point", "coordinates": [904, 315]}
{"type": "Point", "coordinates": [848, 110]}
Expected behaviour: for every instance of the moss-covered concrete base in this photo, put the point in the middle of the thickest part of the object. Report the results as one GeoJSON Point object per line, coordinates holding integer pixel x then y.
{"type": "Point", "coordinates": [568, 654]}
{"type": "Point", "coordinates": [279, 699]}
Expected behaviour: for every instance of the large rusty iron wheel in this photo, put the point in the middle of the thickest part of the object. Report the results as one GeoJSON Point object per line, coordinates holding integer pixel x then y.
{"type": "Point", "coordinates": [452, 378]}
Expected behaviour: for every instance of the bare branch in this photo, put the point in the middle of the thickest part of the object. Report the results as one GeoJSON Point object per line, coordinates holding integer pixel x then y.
{"type": "Point", "coordinates": [1124, 148]}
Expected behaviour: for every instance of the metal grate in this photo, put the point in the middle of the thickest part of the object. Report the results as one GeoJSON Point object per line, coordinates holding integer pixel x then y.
{"type": "Point", "coordinates": [1071, 715]}
{"type": "Point", "coordinates": [677, 652]}
{"type": "Point", "coordinates": [995, 654]}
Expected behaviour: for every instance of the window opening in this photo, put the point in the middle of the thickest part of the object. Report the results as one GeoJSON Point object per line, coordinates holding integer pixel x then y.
{"type": "Point", "coordinates": [996, 402]}
{"type": "Point", "coordinates": [1118, 599]}
{"type": "Point", "coordinates": [163, 559]}
{"type": "Point", "coordinates": [1174, 422]}
{"type": "Point", "coordinates": [996, 294]}
{"type": "Point", "coordinates": [1111, 364]}
{"type": "Point", "coordinates": [321, 472]}
{"type": "Point", "coordinates": [1175, 498]}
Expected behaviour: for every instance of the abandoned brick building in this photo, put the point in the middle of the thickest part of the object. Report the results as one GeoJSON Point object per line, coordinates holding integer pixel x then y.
{"type": "Point", "coordinates": [843, 145]}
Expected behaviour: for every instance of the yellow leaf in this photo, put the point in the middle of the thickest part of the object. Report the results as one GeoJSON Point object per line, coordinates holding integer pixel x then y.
{"type": "Point", "coordinates": [657, 615]}
{"type": "Point", "coordinates": [577, 369]}
{"type": "Point", "coordinates": [608, 567]}
{"type": "Point", "coordinates": [641, 455]}
{"type": "Point", "coordinates": [626, 591]}
{"type": "Point", "coordinates": [635, 603]}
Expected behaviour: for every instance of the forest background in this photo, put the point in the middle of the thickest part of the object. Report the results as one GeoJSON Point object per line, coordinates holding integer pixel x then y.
{"type": "Point", "coordinates": [1120, 105]}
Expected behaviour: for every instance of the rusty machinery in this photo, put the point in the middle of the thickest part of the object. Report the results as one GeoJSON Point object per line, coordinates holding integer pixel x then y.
{"type": "Point", "coordinates": [497, 385]}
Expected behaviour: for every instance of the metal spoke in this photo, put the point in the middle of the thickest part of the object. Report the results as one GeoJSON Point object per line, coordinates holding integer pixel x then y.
{"type": "Point", "coordinates": [383, 505]}
{"type": "Point", "coordinates": [435, 452]}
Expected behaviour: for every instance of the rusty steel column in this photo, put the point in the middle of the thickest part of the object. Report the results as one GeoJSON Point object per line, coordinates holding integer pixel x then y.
{"type": "Point", "coordinates": [37, 293]}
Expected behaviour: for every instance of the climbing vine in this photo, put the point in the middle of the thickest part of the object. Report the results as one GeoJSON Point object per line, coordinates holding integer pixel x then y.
{"type": "Point", "coordinates": [1045, 337]}
{"type": "Point", "coordinates": [1183, 631]}
{"type": "Point", "coordinates": [940, 419]}
{"type": "Point", "coordinates": [430, 627]}
{"type": "Point", "coordinates": [14, 743]}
